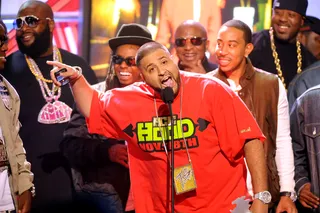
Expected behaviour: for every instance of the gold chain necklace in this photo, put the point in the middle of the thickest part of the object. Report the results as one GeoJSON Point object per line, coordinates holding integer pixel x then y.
{"type": "Point", "coordinates": [242, 3]}
{"type": "Point", "coordinates": [33, 70]}
{"type": "Point", "coordinates": [277, 60]}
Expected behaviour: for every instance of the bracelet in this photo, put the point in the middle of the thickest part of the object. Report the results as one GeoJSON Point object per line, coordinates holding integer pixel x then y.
{"type": "Point", "coordinates": [292, 195]}
{"type": "Point", "coordinates": [79, 73]}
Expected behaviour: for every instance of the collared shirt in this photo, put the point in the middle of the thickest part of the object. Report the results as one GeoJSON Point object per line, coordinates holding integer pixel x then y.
{"type": "Point", "coordinates": [305, 132]}
{"type": "Point", "coordinates": [310, 77]}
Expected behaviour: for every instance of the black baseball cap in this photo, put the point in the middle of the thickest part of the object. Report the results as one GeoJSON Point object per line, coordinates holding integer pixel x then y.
{"type": "Point", "coordinates": [298, 6]}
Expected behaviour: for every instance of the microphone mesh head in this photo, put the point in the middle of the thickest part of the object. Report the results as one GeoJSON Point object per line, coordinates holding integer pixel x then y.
{"type": "Point", "coordinates": [167, 95]}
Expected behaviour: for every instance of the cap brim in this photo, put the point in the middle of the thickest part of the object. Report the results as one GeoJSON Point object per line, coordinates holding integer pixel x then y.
{"type": "Point", "coordinates": [137, 40]}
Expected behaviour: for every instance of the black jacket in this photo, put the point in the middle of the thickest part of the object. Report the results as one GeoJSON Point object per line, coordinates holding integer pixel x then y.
{"type": "Point", "coordinates": [88, 154]}
{"type": "Point", "coordinates": [261, 56]}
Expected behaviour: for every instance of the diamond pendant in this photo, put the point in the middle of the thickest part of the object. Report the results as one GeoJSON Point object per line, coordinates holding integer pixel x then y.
{"type": "Point", "coordinates": [55, 112]}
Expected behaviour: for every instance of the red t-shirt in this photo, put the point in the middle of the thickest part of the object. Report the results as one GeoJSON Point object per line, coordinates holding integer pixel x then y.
{"type": "Point", "coordinates": [216, 125]}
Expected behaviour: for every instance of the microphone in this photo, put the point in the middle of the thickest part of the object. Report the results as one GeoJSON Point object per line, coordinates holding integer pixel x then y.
{"type": "Point", "coordinates": [167, 95]}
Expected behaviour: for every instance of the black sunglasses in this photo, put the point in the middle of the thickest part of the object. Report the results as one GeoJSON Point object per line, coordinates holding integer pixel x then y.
{"type": "Point", "coordinates": [3, 40]}
{"type": "Point", "coordinates": [130, 61]}
{"type": "Point", "coordinates": [30, 20]}
{"type": "Point", "coordinates": [196, 41]}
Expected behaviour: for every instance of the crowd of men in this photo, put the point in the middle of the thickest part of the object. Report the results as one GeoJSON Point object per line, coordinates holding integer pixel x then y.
{"type": "Point", "coordinates": [245, 131]}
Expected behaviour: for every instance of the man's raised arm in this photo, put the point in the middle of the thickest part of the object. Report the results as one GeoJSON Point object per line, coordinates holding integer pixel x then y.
{"type": "Point", "coordinates": [81, 89]}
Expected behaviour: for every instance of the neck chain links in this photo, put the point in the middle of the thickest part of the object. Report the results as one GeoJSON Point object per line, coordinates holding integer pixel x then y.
{"type": "Point", "coordinates": [277, 60]}
{"type": "Point", "coordinates": [48, 95]}
{"type": "Point", "coordinates": [172, 129]}
{"type": "Point", "coordinates": [242, 3]}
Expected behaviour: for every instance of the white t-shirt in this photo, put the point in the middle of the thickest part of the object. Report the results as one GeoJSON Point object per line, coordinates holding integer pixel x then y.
{"type": "Point", "coordinates": [6, 202]}
{"type": "Point", "coordinates": [284, 153]}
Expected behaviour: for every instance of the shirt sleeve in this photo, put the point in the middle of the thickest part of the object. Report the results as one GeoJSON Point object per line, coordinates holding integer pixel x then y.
{"type": "Point", "coordinates": [299, 147]}
{"type": "Point", "coordinates": [284, 153]}
{"type": "Point", "coordinates": [234, 123]}
{"type": "Point", "coordinates": [100, 122]}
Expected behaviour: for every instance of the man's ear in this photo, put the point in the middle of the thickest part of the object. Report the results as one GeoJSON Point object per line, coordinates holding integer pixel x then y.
{"type": "Point", "coordinates": [51, 25]}
{"type": "Point", "coordinates": [302, 22]}
{"type": "Point", "coordinates": [248, 50]}
{"type": "Point", "coordinates": [207, 44]}
{"type": "Point", "coordinates": [141, 76]}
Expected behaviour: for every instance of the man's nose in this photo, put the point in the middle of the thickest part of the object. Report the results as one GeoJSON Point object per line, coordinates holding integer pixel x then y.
{"type": "Point", "coordinates": [188, 45]}
{"type": "Point", "coordinates": [161, 71]}
{"type": "Point", "coordinates": [123, 64]}
{"type": "Point", "coordinates": [283, 17]}
{"type": "Point", "coordinates": [223, 49]}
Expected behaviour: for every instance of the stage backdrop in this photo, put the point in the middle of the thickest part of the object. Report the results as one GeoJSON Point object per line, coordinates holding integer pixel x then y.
{"type": "Point", "coordinates": [160, 16]}
{"type": "Point", "coordinates": [163, 16]}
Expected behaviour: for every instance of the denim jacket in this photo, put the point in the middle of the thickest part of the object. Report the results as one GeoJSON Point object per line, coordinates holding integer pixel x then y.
{"type": "Point", "coordinates": [305, 133]}
{"type": "Point", "coordinates": [310, 77]}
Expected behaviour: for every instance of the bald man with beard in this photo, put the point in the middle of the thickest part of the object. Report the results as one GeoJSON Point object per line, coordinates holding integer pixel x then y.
{"type": "Point", "coordinates": [45, 109]}
{"type": "Point", "coordinates": [191, 44]}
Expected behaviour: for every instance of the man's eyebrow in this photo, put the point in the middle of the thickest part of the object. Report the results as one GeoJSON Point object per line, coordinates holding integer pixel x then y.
{"type": "Point", "coordinates": [235, 41]}
{"type": "Point", "coordinates": [160, 58]}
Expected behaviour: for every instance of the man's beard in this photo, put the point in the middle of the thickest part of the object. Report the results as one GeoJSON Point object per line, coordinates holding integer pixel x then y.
{"type": "Point", "coordinates": [41, 44]}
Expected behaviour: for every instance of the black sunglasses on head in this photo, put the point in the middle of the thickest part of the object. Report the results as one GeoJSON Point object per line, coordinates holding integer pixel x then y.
{"type": "Point", "coordinates": [130, 61]}
{"type": "Point", "coordinates": [30, 21]}
{"type": "Point", "coordinates": [196, 41]}
{"type": "Point", "coordinates": [3, 40]}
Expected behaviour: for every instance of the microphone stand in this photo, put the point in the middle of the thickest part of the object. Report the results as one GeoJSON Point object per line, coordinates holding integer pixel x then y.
{"type": "Point", "coordinates": [172, 158]}
{"type": "Point", "coordinates": [167, 96]}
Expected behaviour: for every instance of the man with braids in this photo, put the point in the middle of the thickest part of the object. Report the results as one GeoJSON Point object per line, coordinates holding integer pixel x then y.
{"type": "Point", "coordinates": [45, 109]}
{"type": "Point", "coordinates": [277, 50]}
{"type": "Point", "coordinates": [210, 140]}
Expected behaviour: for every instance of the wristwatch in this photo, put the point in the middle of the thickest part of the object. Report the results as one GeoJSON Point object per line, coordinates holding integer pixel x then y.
{"type": "Point", "coordinates": [292, 195]}
{"type": "Point", "coordinates": [264, 196]}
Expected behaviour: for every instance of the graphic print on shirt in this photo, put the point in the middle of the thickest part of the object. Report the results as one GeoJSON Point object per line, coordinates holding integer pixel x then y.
{"type": "Point", "coordinates": [150, 134]}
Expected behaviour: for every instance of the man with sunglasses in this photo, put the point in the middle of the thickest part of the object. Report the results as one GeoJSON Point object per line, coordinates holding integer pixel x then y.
{"type": "Point", "coordinates": [16, 178]}
{"type": "Point", "coordinates": [191, 44]}
{"type": "Point", "coordinates": [266, 98]}
{"type": "Point", "coordinates": [210, 138]}
{"type": "Point", "coordinates": [45, 110]}
{"type": "Point", "coordinates": [173, 13]}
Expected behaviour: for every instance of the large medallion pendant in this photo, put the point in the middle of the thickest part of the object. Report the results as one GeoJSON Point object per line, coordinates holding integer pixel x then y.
{"type": "Point", "coordinates": [54, 113]}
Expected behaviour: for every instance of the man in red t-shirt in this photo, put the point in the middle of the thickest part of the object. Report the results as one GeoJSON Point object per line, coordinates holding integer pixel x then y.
{"type": "Point", "coordinates": [211, 136]}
